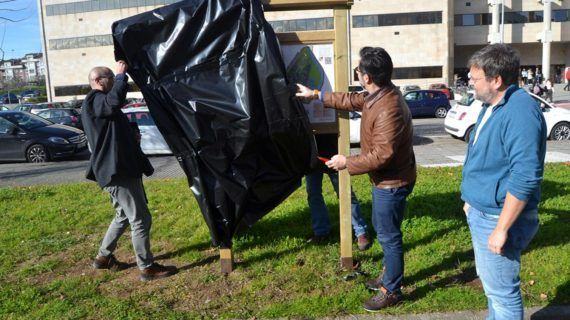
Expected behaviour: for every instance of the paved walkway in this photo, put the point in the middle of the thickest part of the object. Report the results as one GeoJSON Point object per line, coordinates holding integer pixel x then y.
{"type": "Point", "coordinates": [536, 313]}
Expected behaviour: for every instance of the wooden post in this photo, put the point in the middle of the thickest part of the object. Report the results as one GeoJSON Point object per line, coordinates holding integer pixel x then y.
{"type": "Point", "coordinates": [226, 260]}
{"type": "Point", "coordinates": [341, 84]}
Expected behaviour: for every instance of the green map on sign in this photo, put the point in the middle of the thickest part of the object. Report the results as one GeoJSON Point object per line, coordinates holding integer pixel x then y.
{"type": "Point", "coordinates": [306, 69]}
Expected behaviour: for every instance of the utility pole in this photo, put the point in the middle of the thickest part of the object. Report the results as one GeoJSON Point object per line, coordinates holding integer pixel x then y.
{"type": "Point", "coordinates": [546, 38]}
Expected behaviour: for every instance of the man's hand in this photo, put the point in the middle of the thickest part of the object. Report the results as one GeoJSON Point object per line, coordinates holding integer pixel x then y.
{"type": "Point", "coordinates": [497, 240]}
{"type": "Point", "coordinates": [337, 162]}
{"type": "Point", "coordinates": [305, 93]}
{"type": "Point", "coordinates": [121, 67]}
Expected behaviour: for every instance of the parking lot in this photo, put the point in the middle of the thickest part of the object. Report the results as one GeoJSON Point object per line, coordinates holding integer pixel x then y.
{"type": "Point", "coordinates": [433, 147]}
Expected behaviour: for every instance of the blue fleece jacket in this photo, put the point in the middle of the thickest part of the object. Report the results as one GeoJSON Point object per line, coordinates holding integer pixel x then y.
{"type": "Point", "coordinates": [508, 155]}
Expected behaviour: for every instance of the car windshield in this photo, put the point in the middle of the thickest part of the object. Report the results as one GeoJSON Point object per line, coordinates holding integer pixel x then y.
{"type": "Point", "coordinates": [466, 100]}
{"type": "Point", "coordinates": [26, 120]}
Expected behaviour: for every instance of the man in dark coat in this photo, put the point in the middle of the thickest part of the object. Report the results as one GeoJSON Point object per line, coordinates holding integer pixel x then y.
{"type": "Point", "coordinates": [117, 164]}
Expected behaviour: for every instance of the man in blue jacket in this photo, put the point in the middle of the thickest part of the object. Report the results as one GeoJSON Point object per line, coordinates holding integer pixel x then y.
{"type": "Point", "coordinates": [117, 163]}
{"type": "Point", "coordinates": [502, 175]}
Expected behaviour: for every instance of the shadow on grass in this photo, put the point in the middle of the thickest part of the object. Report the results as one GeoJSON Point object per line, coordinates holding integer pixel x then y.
{"type": "Point", "coordinates": [558, 308]}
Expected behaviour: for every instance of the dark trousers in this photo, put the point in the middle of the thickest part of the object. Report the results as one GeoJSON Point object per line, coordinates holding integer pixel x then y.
{"type": "Point", "coordinates": [388, 207]}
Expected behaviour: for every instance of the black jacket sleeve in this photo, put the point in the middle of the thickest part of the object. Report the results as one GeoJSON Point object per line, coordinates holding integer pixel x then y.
{"type": "Point", "coordinates": [113, 100]}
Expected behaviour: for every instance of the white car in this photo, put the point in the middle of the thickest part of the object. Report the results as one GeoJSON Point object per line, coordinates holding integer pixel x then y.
{"type": "Point", "coordinates": [461, 118]}
{"type": "Point", "coordinates": [152, 141]}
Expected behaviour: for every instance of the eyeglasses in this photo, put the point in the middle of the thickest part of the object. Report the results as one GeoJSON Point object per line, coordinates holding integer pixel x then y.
{"type": "Point", "coordinates": [474, 80]}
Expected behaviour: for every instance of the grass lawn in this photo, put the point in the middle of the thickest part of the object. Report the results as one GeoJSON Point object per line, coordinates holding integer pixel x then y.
{"type": "Point", "coordinates": [49, 235]}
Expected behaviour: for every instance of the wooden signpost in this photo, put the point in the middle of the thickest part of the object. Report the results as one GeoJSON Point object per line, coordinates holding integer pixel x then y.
{"type": "Point", "coordinates": [339, 39]}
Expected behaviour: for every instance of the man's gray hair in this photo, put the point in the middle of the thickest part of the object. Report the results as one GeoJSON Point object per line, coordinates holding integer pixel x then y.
{"type": "Point", "coordinates": [497, 60]}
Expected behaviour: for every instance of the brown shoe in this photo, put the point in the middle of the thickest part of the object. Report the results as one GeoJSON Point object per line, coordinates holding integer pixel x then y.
{"type": "Point", "coordinates": [363, 242]}
{"type": "Point", "coordinates": [374, 284]}
{"type": "Point", "coordinates": [157, 271]}
{"type": "Point", "coordinates": [382, 300]}
{"type": "Point", "coordinates": [110, 263]}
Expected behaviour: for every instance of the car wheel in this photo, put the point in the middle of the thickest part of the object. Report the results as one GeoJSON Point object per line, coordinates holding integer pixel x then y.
{"type": "Point", "coordinates": [440, 112]}
{"type": "Point", "coordinates": [37, 154]}
{"type": "Point", "coordinates": [467, 136]}
{"type": "Point", "coordinates": [561, 131]}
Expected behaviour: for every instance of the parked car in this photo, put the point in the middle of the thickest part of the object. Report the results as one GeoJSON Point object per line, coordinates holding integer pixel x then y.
{"type": "Point", "coordinates": [152, 141]}
{"type": "Point", "coordinates": [442, 87]}
{"type": "Point", "coordinates": [9, 98]}
{"type": "Point", "coordinates": [427, 103]}
{"type": "Point", "coordinates": [34, 93]}
{"type": "Point", "coordinates": [75, 103]}
{"type": "Point", "coordinates": [24, 136]}
{"type": "Point", "coordinates": [461, 119]}
{"type": "Point", "coordinates": [67, 116]}
{"type": "Point", "coordinates": [134, 105]}
{"type": "Point", "coordinates": [409, 87]}
{"type": "Point", "coordinates": [29, 107]}
{"type": "Point", "coordinates": [47, 105]}
{"type": "Point", "coordinates": [3, 108]}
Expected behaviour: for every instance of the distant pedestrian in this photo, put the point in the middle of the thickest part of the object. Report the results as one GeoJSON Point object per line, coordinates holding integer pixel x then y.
{"type": "Point", "coordinates": [538, 75]}
{"type": "Point", "coordinates": [524, 75]}
{"type": "Point", "coordinates": [530, 76]}
{"type": "Point", "coordinates": [567, 79]}
{"type": "Point", "coordinates": [549, 90]}
{"type": "Point", "coordinates": [117, 164]}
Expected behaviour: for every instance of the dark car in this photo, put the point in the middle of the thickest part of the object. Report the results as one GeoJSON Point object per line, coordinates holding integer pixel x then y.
{"type": "Point", "coordinates": [67, 116]}
{"type": "Point", "coordinates": [9, 98]}
{"type": "Point", "coordinates": [75, 103]}
{"type": "Point", "coordinates": [427, 103]}
{"type": "Point", "coordinates": [27, 107]}
{"type": "Point", "coordinates": [24, 136]}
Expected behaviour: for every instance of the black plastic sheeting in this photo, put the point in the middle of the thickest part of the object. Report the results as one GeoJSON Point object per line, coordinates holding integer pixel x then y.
{"type": "Point", "coordinates": [214, 80]}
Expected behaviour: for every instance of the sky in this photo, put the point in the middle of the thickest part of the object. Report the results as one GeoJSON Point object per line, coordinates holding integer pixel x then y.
{"type": "Point", "coordinates": [19, 38]}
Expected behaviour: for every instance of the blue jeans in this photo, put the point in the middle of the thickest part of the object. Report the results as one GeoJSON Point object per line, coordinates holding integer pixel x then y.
{"type": "Point", "coordinates": [500, 274]}
{"type": "Point", "coordinates": [388, 206]}
{"type": "Point", "coordinates": [319, 212]}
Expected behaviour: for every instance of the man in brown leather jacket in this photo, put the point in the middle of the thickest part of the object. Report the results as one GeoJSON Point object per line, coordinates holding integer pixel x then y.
{"type": "Point", "coordinates": [387, 156]}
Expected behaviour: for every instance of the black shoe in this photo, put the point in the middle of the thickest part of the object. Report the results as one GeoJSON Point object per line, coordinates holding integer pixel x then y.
{"type": "Point", "coordinates": [110, 263]}
{"type": "Point", "coordinates": [382, 300]}
{"type": "Point", "coordinates": [319, 239]}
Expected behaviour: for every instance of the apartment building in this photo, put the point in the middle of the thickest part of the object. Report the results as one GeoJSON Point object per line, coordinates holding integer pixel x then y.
{"type": "Point", "coordinates": [430, 40]}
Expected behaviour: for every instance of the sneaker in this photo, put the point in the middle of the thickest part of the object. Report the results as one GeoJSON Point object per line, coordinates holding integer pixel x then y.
{"type": "Point", "coordinates": [109, 262]}
{"type": "Point", "coordinates": [318, 239]}
{"type": "Point", "coordinates": [157, 271]}
{"type": "Point", "coordinates": [382, 300]}
{"type": "Point", "coordinates": [363, 242]}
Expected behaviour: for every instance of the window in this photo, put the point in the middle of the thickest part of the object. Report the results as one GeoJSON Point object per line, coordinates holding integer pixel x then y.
{"type": "Point", "coordinates": [560, 15]}
{"type": "Point", "coordinates": [302, 25]}
{"type": "Point", "coordinates": [418, 72]}
{"type": "Point", "coordinates": [397, 19]}
{"type": "Point", "coordinates": [413, 96]}
{"type": "Point", "coordinates": [144, 119]}
{"type": "Point", "coordinates": [5, 126]}
{"type": "Point", "coordinates": [468, 20]}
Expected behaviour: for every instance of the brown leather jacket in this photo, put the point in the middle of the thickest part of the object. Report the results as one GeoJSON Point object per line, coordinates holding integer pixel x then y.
{"type": "Point", "coordinates": [386, 135]}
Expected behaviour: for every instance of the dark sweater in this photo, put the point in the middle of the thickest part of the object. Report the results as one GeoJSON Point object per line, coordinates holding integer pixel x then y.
{"type": "Point", "coordinates": [114, 149]}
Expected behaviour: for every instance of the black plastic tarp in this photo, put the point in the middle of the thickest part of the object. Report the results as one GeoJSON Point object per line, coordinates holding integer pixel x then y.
{"type": "Point", "coordinates": [212, 75]}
